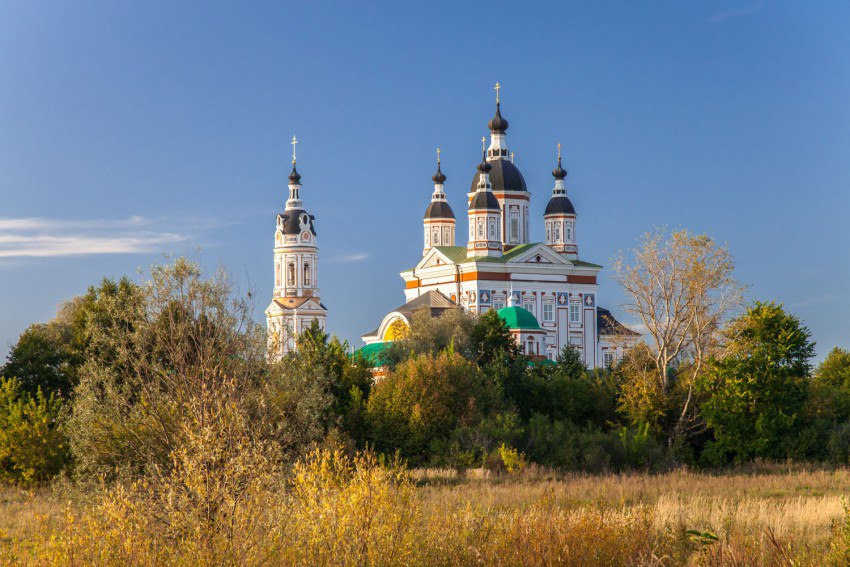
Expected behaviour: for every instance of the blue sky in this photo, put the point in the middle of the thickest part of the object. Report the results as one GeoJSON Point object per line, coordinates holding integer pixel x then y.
{"type": "Point", "coordinates": [130, 129]}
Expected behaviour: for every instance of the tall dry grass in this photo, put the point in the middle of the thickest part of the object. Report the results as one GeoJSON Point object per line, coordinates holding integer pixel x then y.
{"type": "Point", "coordinates": [332, 509]}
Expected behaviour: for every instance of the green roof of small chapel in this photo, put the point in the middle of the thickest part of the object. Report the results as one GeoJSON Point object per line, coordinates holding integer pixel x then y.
{"type": "Point", "coordinates": [518, 318]}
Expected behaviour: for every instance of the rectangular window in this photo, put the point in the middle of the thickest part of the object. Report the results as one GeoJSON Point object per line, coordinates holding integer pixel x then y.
{"type": "Point", "coordinates": [480, 229]}
{"type": "Point", "coordinates": [308, 274]}
{"type": "Point", "coordinates": [277, 275]}
{"type": "Point", "coordinates": [547, 312]}
{"type": "Point", "coordinates": [528, 306]}
{"type": "Point", "coordinates": [514, 234]}
{"type": "Point", "coordinates": [557, 227]}
{"type": "Point", "coordinates": [575, 313]}
{"type": "Point", "coordinates": [548, 232]}
{"type": "Point", "coordinates": [608, 359]}
{"type": "Point", "coordinates": [492, 233]}
{"type": "Point", "coordinates": [498, 303]}
{"type": "Point", "coordinates": [290, 274]}
{"type": "Point", "coordinates": [569, 232]}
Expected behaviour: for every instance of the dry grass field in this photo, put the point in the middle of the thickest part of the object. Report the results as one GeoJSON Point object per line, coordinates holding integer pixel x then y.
{"type": "Point", "coordinates": [773, 516]}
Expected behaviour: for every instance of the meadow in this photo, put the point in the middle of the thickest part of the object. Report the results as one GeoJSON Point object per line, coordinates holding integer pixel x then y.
{"type": "Point", "coordinates": [373, 515]}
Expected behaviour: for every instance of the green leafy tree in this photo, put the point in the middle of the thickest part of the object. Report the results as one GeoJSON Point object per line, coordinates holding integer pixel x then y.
{"type": "Point", "coordinates": [492, 339]}
{"type": "Point", "coordinates": [169, 362]}
{"type": "Point", "coordinates": [757, 389]}
{"type": "Point", "coordinates": [40, 360]}
{"type": "Point", "coordinates": [452, 330]}
{"type": "Point", "coordinates": [423, 399]}
{"type": "Point", "coordinates": [33, 447]}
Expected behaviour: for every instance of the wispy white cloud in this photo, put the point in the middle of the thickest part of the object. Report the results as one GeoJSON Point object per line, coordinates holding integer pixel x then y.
{"type": "Point", "coordinates": [822, 299]}
{"type": "Point", "coordinates": [39, 223]}
{"type": "Point", "coordinates": [349, 258]}
{"type": "Point", "coordinates": [37, 237]}
{"type": "Point", "coordinates": [742, 12]}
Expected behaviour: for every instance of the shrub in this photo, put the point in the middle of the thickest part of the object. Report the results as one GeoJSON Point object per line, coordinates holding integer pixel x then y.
{"type": "Point", "coordinates": [33, 447]}
{"type": "Point", "coordinates": [424, 399]}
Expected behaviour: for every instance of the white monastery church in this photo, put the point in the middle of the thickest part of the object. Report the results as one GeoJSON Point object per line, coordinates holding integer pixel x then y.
{"type": "Point", "coordinates": [545, 293]}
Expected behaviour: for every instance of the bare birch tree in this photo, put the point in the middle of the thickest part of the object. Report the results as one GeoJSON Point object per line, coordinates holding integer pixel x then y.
{"type": "Point", "coordinates": [682, 288]}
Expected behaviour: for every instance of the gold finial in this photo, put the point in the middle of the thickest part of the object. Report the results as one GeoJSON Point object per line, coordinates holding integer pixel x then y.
{"type": "Point", "coordinates": [512, 157]}
{"type": "Point", "coordinates": [497, 88]}
{"type": "Point", "coordinates": [438, 156]}
{"type": "Point", "coordinates": [559, 150]}
{"type": "Point", "coordinates": [294, 141]}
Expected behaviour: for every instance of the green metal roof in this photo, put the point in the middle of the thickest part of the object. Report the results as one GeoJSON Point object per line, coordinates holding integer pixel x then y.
{"type": "Point", "coordinates": [456, 254]}
{"type": "Point", "coordinates": [374, 353]}
{"type": "Point", "coordinates": [518, 318]}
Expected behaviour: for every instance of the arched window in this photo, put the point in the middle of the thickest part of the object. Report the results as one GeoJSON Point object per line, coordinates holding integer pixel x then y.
{"type": "Point", "coordinates": [308, 274]}
{"type": "Point", "coordinates": [290, 273]}
{"type": "Point", "coordinates": [530, 349]}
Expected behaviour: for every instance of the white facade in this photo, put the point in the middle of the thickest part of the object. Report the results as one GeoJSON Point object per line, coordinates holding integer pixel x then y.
{"type": "Point", "coordinates": [559, 292]}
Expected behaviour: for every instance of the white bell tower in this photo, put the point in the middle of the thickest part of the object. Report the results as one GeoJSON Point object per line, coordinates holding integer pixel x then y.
{"type": "Point", "coordinates": [295, 300]}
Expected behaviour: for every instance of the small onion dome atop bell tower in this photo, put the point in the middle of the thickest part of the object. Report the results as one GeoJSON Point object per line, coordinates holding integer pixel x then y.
{"type": "Point", "coordinates": [559, 203]}
{"type": "Point", "coordinates": [294, 177]}
{"type": "Point", "coordinates": [439, 207]}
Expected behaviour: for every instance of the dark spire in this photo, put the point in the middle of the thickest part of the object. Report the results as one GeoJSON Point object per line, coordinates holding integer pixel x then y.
{"type": "Point", "coordinates": [439, 178]}
{"type": "Point", "coordinates": [484, 167]}
{"type": "Point", "coordinates": [497, 123]}
{"type": "Point", "coordinates": [294, 177]}
{"type": "Point", "coordinates": [559, 172]}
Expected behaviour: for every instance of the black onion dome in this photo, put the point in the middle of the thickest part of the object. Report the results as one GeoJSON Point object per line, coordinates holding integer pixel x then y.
{"type": "Point", "coordinates": [504, 176]}
{"type": "Point", "coordinates": [484, 166]}
{"type": "Point", "coordinates": [292, 221]}
{"type": "Point", "coordinates": [484, 200]}
{"type": "Point", "coordinates": [559, 172]}
{"type": "Point", "coordinates": [294, 177]}
{"type": "Point", "coordinates": [439, 210]}
{"type": "Point", "coordinates": [559, 205]}
{"type": "Point", "coordinates": [439, 177]}
{"type": "Point", "coordinates": [497, 123]}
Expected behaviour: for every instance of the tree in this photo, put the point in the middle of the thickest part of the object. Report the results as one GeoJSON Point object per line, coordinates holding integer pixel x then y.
{"type": "Point", "coordinates": [682, 289]}
{"type": "Point", "coordinates": [492, 339]}
{"type": "Point", "coordinates": [40, 360]}
{"type": "Point", "coordinates": [427, 334]}
{"type": "Point", "coordinates": [33, 447]}
{"type": "Point", "coordinates": [178, 362]}
{"type": "Point", "coordinates": [757, 387]}
{"type": "Point", "coordinates": [423, 399]}
{"type": "Point", "coordinates": [829, 392]}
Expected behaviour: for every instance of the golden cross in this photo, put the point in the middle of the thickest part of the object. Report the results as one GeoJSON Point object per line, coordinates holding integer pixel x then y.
{"type": "Point", "coordinates": [497, 88]}
{"type": "Point", "coordinates": [483, 144]}
{"type": "Point", "coordinates": [512, 157]}
{"type": "Point", "coordinates": [438, 156]}
{"type": "Point", "coordinates": [294, 141]}
{"type": "Point", "coordinates": [559, 150]}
